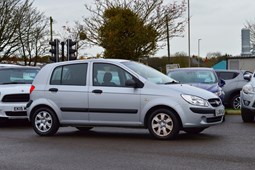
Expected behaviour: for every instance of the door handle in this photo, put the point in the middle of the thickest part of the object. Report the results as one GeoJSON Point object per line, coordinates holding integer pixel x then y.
{"type": "Point", "coordinates": [53, 89]}
{"type": "Point", "coordinates": [97, 91]}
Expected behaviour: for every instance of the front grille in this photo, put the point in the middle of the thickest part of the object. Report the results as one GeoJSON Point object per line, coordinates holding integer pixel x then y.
{"type": "Point", "coordinates": [213, 119]}
{"type": "Point", "coordinates": [16, 98]}
{"type": "Point", "coordinates": [21, 113]}
{"type": "Point", "coordinates": [215, 102]}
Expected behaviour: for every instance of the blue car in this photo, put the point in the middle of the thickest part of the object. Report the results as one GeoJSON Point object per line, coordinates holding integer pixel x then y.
{"type": "Point", "coordinates": [201, 77]}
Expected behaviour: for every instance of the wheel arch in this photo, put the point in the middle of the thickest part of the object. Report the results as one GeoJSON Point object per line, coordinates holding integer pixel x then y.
{"type": "Point", "coordinates": [151, 110]}
{"type": "Point", "coordinates": [40, 106]}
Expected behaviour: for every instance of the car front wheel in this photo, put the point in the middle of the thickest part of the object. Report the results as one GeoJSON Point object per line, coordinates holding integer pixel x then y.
{"type": "Point", "coordinates": [163, 124]}
{"type": "Point", "coordinates": [247, 115]}
{"type": "Point", "coordinates": [45, 122]}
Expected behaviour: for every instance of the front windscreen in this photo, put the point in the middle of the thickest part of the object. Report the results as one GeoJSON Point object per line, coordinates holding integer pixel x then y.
{"type": "Point", "coordinates": [149, 73]}
{"type": "Point", "coordinates": [17, 75]}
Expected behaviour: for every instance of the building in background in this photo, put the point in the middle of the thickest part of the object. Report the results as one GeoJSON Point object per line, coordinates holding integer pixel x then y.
{"type": "Point", "coordinates": [246, 42]}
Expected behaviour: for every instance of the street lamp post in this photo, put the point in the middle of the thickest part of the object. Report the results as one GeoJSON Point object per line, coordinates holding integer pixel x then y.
{"type": "Point", "coordinates": [198, 50]}
{"type": "Point", "coordinates": [189, 31]}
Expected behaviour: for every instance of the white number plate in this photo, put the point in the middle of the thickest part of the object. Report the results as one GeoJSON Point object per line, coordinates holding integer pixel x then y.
{"type": "Point", "coordinates": [219, 112]}
{"type": "Point", "coordinates": [19, 109]}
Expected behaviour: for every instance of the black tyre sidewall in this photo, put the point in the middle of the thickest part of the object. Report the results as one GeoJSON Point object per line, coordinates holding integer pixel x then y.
{"type": "Point", "coordinates": [247, 115]}
{"type": "Point", "coordinates": [55, 123]}
{"type": "Point", "coordinates": [176, 124]}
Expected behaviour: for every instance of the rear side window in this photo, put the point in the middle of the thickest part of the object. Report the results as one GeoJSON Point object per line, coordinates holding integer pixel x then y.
{"type": "Point", "coordinates": [73, 74]}
{"type": "Point", "coordinates": [227, 75]}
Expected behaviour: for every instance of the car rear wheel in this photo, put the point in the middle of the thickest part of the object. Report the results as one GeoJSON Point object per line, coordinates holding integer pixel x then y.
{"type": "Point", "coordinates": [45, 122]}
{"type": "Point", "coordinates": [235, 102]}
{"type": "Point", "coordinates": [163, 124]}
{"type": "Point", "coordinates": [194, 130]}
{"type": "Point", "coordinates": [247, 115]}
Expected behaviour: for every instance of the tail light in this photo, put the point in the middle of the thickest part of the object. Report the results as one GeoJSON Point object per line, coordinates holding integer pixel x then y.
{"type": "Point", "coordinates": [32, 88]}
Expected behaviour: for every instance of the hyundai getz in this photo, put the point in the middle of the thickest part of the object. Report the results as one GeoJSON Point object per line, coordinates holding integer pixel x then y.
{"type": "Point", "coordinates": [121, 93]}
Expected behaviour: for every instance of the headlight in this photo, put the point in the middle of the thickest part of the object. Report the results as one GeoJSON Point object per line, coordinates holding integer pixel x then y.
{"type": "Point", "coordinates": [248, 89]}
{"type": "Point", "coordinates": [194, 100]}
{"type": "Point", "coordinates": [219, 93]}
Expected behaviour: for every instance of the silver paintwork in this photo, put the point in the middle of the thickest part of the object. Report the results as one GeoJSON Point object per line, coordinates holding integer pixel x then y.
{"type": "Point", "coordinates": [141, 99]}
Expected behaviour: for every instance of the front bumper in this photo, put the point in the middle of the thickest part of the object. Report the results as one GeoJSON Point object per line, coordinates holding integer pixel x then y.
{"type": "Point", "coordinates": [193, 117]}
{"type": "Point", "coordinates": [247, 101]}
{"type": "Point", "coordinates": [13, 110]}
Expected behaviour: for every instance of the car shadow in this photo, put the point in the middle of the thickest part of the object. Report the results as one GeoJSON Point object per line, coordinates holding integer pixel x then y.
{"type": "Point", "coordinates": [14, 123]}
{"type": "Point", "coordinates": [140, 134]}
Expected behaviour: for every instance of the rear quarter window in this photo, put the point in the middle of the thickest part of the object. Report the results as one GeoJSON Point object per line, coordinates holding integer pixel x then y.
{"type": "Point", "coordinates": [73, 74]}
{"type": "Point", "coordinates": [227, 75]}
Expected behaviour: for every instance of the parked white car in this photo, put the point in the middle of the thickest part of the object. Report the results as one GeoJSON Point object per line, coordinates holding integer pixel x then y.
{"type": "Point", "coordinates": [15, 83]}
{"type": "Point", "coordinates": [121, 93]}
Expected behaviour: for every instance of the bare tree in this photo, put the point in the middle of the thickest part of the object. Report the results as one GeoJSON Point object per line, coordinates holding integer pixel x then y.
{"type": "Point", "coordinates": [9, 23]}
{"type": "Point", "coordinates": [32, 35]}
{"type": "Point", "coordinates": [151, 12]}
{"type": "Point", "coordinates": [251, 26]}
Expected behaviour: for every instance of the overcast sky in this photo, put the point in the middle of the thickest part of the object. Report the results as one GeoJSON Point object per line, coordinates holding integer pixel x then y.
{"type": "Point", "coordinates": [217, 23]}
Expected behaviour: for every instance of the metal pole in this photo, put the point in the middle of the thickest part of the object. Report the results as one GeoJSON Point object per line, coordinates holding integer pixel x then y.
{"type": "Point", "coordinates": [198, 50]}
{"type": "Point", "coordinates": [63, 51]}
{"type": "Point", "coordinates": [51, 21]}
{"type": "Point", "coordinates": [168, 41]}
{"type": "Point", "coordinates": [189, 31]}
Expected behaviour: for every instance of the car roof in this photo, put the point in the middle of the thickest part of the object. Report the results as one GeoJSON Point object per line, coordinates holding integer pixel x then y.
{"type": "Point", "coordinates": [9, 65]}
{"type": "Point", "coordinates": [191, 69]}
{"type": "Point", "coordinates": [90, 60]}
{"type": "Point", "coordinates": [18, 67]}
{"type": "Point", "coordinates": [238, 71]}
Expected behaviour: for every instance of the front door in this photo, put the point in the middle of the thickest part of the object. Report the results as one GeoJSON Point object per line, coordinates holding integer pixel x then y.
{"type": "Point", "coordinates": [110, 100]}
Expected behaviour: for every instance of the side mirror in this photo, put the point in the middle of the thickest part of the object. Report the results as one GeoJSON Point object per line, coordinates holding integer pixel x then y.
{"type": "Point", "coordinates": [130, 83]}
{"type": "Point", "coordinates": [247, 77]}
{"type": "Point", "coordinates": [222, 83]}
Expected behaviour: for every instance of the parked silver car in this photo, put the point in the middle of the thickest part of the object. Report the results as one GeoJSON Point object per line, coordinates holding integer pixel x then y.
{"type": "Point", "coordinates": [234, 82]}
{"type": "Point", "coordinates": [121, 93]}
{"type": "Point", "coordinates": [247, 97]}
{"type": "Point", "coordinates": [201, 77]}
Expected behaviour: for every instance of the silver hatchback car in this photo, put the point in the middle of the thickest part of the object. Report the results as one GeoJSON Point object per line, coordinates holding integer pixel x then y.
{"type": "Point", "coordinates": [120, 93]}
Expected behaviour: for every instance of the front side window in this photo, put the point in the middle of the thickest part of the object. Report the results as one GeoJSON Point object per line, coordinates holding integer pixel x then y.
{"type": "Point", "coordinates": [73, 74]}
{"type": "Point", "coordinates": [109, 75]}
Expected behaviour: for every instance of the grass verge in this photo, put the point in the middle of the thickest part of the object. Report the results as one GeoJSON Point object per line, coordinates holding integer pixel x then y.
{"type": "Point", "coordinates": [232, 112]}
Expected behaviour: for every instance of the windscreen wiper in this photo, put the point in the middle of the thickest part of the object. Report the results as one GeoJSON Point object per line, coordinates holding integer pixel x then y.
{"type": "Point", "coordinates": [172, 82]}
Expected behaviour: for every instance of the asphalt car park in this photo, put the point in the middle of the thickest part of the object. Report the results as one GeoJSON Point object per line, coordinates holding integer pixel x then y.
{"type": "Point", "coordinates": [225, 146]}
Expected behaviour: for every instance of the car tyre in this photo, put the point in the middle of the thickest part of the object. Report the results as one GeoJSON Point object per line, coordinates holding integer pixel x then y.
{"type": "Point", "coordinates": [247, 116]}
{"type": "Point", "coordinates": [235, 102]}
{"type": "Point", "coordinates": [194, 130]}
{"type": "Point", "coordinates": [45, 122]}
{"type": "Point", "coordinates": [163, 124]}
{"type": "Point", "coordinates": [84, 129]}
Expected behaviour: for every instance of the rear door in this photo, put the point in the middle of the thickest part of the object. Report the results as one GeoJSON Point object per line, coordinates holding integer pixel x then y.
{"type": "Point", "coordinates": [69, 91]}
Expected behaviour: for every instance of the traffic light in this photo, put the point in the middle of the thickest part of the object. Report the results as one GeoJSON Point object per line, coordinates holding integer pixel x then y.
{"type": "Point", "coordinates": [70, 51]}
{"type": "Point", "coordinates": [54, 50]}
